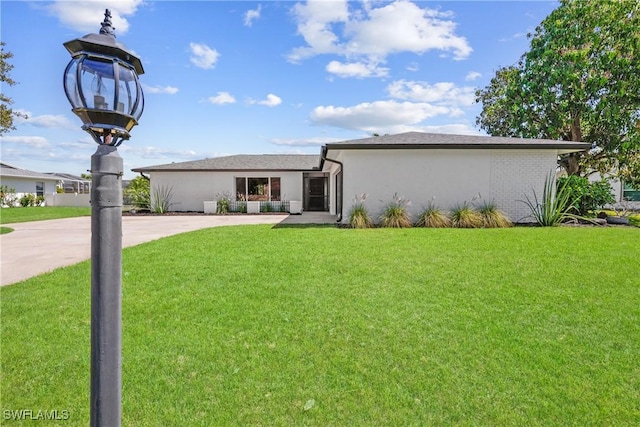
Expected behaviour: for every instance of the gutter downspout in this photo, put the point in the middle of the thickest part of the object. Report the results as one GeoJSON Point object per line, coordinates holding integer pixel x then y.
{"type": "Point", "coordinates": [324, 158]}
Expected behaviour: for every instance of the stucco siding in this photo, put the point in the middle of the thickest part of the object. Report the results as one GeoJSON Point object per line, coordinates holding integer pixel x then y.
{"type": "Point", "coordinates": [28, 185]}
{"type": "Point", "coordinates": [190, 189]}
{"type": "Point", "coordinates": [448, 177]}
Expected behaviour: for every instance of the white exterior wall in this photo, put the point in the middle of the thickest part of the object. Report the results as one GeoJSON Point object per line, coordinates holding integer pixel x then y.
{"type": "Point", "coordinates": [447, 176]}
{"type": "Point", "coordinates": [28, 185]}
{"type": "Point", "coordinates": [191, 189]}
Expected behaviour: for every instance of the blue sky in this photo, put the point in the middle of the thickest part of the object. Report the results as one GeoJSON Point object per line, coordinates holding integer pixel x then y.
{"type": "Point", "coordinates": [245, 77]}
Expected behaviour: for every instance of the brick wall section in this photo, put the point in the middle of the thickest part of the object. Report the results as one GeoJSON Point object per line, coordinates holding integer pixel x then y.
{"type": "Point", "coordinates": [516, 173]}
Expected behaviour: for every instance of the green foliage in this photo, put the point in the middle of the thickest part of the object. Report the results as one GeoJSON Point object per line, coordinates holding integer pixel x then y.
{"type": "Point", "coordinates": [579, 81]}
{"type": "Point", "coordinates": [463, 215]}
{"type": "Point", "coordinates": [433, 217]}
{"type": "Point", "coordinates": [224, 200]}
{"type": "Point", "coordinates": [6, 230]}
{"type": "Point", "coordinates": [161, 199]}
{"type": "Point", "coordinates": [587, 196]}
{"type": "Point", "coordinates": [266, 207]}
{"type": "Point", "coordinates": [28, 199]}
{"type": "Point", "coordinates": [359, 215]}
{"type": "Point", "coordinates": [395, 214]}
{"type": "Point", "coordinates": [492, 217]}
{"type": "Point", "coordinates": [7, 115]}
{"type": "Point", "coordinates": [555, 205]}
{"type": "Point", "coordinates": [59, 190]}
{"type": "Point", "coordinates": [138, 192]}
{"type": "Point", "coordinates": [8, 196]}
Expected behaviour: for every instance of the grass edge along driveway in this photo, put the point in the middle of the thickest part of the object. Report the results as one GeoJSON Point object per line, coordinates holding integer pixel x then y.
{"type": "Point", "coordinates": [256, 325]}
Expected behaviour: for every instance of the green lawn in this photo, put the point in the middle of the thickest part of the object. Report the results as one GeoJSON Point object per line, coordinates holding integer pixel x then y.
{"type": "Point", "coordinates": [14, 215]}
{"type": "Point", "coordinates": [323, 326]}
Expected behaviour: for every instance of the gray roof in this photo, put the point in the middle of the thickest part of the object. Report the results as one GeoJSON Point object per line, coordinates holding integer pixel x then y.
{"type": "Point", "coordinates": [244, 162]}
{"type": "Point", "coordinates": [16, 172]}
{"type": "Point", "coordinates": [435, 140]}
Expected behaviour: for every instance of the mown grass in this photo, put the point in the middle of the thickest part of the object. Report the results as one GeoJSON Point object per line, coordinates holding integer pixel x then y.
{"type": "Point", "coordinates": [39, 213]}
{"type": "Point", "coordinates": [324, 326]}
{"type": "Point", "coordinates": [5, 230]}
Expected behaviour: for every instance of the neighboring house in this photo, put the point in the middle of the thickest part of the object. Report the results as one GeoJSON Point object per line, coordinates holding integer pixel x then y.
{"type": "Point", "coordinates": [263, 177]}
{"type": "Point", "coordinates": [73, 183]}
{"type": "Point", "coordinates": [25, 181]}
{"type": "Point", "coordinates": [421, 167]}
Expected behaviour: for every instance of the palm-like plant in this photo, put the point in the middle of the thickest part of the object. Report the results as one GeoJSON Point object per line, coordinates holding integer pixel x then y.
{"type": "Point", "coordinates": [554, 207]}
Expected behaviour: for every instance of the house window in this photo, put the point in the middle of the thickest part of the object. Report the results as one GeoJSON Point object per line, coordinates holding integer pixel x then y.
{"type": "Point", "coordinates": [258, 189]}
{"type": "Point", "coordinates": [40, 189]}
{"type": "Point", "coordinates": [630, 194]}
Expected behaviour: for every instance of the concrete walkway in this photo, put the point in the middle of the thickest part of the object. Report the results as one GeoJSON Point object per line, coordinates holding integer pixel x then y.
{"type": "Point", "coordinates": [37, 247]}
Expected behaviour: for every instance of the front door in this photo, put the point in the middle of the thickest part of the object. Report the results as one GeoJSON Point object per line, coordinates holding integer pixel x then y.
{"type": "Point", "coordinates": [316, 193]}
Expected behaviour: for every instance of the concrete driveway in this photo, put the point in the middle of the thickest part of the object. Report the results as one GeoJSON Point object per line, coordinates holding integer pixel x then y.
{"type": "Point", "coordinates": [38, 247]}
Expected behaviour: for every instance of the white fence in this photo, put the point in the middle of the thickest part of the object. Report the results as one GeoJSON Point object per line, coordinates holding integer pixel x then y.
{"type": "Point", "coordinates": [68, 199]}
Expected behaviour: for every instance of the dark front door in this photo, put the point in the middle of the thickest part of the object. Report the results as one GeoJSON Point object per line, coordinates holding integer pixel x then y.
{"type": "Point", "coordinates": [316, 194]}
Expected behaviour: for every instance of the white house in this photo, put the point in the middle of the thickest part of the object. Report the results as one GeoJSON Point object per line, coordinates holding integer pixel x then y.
{"type": "Point", "coordinates": [421, 167]}
{"type": "Point", "coordinates": [24, 181]}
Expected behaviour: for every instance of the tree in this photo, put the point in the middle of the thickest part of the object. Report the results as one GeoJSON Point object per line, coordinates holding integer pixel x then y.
{"type": "Point", "coordinates": [579, 81]}
{"type": "Point", "coordinates": [6, 113]}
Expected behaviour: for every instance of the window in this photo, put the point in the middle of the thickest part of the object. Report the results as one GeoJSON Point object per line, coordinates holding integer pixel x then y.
{"type": "Point", "coordinates": [630, 194]}
{"type": "Point", "coordinates": [40, 189]}
{"type": "Point", "coordinates": [258, 189]}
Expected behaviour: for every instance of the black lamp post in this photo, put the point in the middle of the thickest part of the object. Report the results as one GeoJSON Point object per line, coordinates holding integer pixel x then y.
{"type": "Point", "coordinates": [101, 83]}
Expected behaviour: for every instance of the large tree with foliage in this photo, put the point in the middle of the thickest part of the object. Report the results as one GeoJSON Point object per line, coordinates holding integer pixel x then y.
{"type": "Point", "coordinates": [6, 113]}
{"type": "Point", "coordinates": [579, 81]}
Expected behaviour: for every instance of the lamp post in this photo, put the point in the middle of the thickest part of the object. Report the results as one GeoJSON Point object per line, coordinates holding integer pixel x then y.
{"type": "Point", "coordinates": [101, 83]}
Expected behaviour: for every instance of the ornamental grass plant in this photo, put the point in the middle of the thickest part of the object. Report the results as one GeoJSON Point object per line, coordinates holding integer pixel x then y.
{"type": "Point", "coordinates": [433, 217]}
{"type": "Point", "coordinates": [492, 217]}
{"type": "Point", "coordinates": [395, 214]}
{"type": "Point", "coordinates": [359, 215]}
{"type": "Point", "coordinates": [463, 215]}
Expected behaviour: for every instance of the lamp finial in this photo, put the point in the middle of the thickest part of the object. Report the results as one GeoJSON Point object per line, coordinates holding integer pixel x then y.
{"type": "Point", "coordinates": [105, 26]}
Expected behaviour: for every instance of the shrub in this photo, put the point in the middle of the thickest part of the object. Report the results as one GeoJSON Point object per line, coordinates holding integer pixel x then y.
{"type": "Point", "coordinates": [28, 199]}
{"type": "Point", "coordinates": [552, 209]}
{"type": "Point", "coordinates": [266, 207]}
{"type": "Point", "coordinates": [587, 196]}
{"type": "Point", "coordinates": [433, 217]}
{"type": "Point", "coordinates": [224, 200]}
{"type": "Point", "coordinates": [359, 215]}
{"type": "Point", "coordinates": [8, 196]}
{"type": "Point", "coordinates": [138, 193]}
{"type": "Point", "coordinates": [395, 215]}
{"type": "Point", "coordinates": [465, 216]}
{"type": "Point", "coordinates": [492, 217]}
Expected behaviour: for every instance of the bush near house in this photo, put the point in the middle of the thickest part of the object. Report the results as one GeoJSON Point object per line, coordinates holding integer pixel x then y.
{"type": "Point", "coordinates": [586, 197]}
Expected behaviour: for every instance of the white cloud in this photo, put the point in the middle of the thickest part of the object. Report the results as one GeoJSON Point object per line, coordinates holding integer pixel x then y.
{"type": "Point", "coordinates": [86, 16]}
{"type": "Point", "coordinates": [472, 75]}
{"type": "Point", "coordinates": [29, 141]}
{"type": "Point", "coordinates": [442, 93]}
{"type": "Point", "coordinates": [252, 15]}
{"type": "Point", "coordinates": [374, 33]}
{"type": "Point", "coordinates": [202, 56]}
{"type": "Point", "coordinates": [377, 115]}
{"type": "Point", "coordinates": [304, 142]}
{"type": "Point", "coordinates": [150, 152]}
{"type": "Point", "coordinates": [271, 101]}
{"type": "Point", "coordinates": [49, 121]}
{"type": "Point", "coordinates": [315, 19]}
{"type": "Point", "coordinates": [356, 69]}
{"type": "Point", "coordinates": [169, 90]}
{"type": "Point", "coordinates": [222, 98]}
